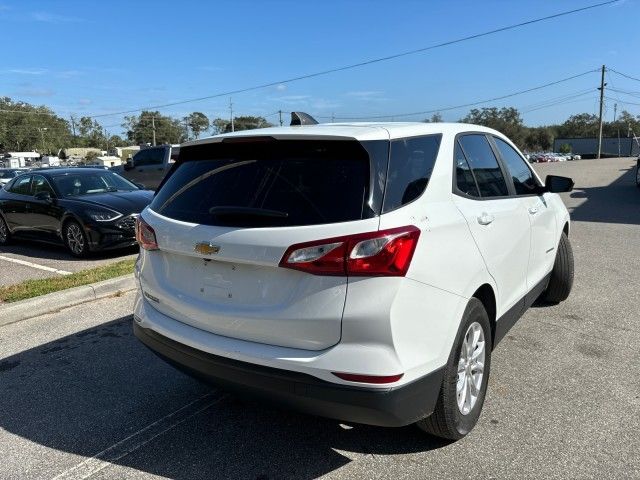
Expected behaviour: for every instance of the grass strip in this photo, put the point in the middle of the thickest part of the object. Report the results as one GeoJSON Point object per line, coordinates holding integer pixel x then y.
{"type": "Point", "coordinates": [35, 288]}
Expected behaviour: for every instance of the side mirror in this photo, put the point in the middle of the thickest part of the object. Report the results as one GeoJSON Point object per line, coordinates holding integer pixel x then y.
{"type": "Point", "coordinates": [557, 184]}
{"type": "Point", "coordinates": [43, 197]}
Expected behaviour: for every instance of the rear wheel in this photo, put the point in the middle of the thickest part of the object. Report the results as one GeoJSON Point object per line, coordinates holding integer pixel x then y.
{"type": "Point", "coordinates": [638, 174]}
{"type": "Point", "coordinates": [466, 374]}
{"type": "Point", "coordinates": [561, 279]}
{"type": "Point", "coordinates": [5, 235]}
{"type": "Point", "coordinates": [75, 239]}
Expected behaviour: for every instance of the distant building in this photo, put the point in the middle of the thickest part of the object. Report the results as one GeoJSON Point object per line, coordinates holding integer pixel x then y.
{"type": "Point", "coordinates": [80, 152]}
{"type": "Point", "coordinates": [124, 152]}
{"type": "Point", "coordinates": [106, 161]}
{"type": "Point", "coordinates": [611, 146]}
{"type": "Point", "coordinates": [20, 159]}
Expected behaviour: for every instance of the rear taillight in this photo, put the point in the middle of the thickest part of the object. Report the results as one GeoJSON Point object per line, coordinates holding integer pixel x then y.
{"type": "Point", "coordinates": [145, 235]}
{"type": "Point", "coordinates": [382, 253]}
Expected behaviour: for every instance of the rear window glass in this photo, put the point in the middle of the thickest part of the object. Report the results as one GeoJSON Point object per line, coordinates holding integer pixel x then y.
{"type": "Point", "coordinates": [268, 183]}
{"type": "Point", "coordinates": [410, 167]}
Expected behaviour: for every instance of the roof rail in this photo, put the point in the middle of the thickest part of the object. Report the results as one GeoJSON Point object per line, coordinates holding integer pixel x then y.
{"type": "Point", "coordinates": [301, 118]}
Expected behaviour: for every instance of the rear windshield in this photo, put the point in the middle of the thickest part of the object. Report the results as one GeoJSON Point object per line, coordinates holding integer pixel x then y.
{"type": "Point", "coordinates": [268, 183]}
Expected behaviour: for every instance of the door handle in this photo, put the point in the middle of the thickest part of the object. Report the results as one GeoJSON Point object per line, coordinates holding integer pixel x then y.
{"type": "Point", "coordinates": [485, 218]}
{"type": "Point", "coordinates": [533, 210]}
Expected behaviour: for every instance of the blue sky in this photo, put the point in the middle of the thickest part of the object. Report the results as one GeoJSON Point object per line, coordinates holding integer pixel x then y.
{"type": "Point", "coordinates": [90, 58]}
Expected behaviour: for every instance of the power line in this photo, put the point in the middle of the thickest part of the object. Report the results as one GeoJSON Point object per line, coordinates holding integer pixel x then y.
{"type": "Point", "coordinates": [624, 75]}
{"type": "Point", "coordinates": [471, 104]}
{"type": "Point", "coordinates": [366, 62]}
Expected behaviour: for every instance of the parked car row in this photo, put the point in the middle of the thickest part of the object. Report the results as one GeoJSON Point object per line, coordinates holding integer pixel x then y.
{"type": "Point", "coordinates": [541, 157]}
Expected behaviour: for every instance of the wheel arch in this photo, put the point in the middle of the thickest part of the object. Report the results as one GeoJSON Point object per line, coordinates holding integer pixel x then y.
{"type": "Point", "coordinates": [487, 296]}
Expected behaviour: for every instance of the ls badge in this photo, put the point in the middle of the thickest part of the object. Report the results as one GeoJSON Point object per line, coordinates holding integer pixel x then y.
{"type": "Point", "coordinates": [206, 248]}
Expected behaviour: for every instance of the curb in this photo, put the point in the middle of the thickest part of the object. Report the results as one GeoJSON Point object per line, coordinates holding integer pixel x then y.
{"type": "Point", "coordinates": [52, 302]}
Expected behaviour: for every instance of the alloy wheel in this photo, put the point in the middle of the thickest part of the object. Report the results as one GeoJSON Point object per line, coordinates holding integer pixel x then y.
{"type": "Point", "coordinates": [75, 239]}
{"type": "Point", "coordinates": [470, 368]}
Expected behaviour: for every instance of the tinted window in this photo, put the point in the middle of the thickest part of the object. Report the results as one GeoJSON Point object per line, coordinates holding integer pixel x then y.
{"type": "Point", "coordinates": [485, 166]}
{"type": "Point", "coordinates": [69, 185]}
{"type": "Point", "coordinates": [149, 156]}
{"type": "Point", "coordinates": [40, 184]}
{"type": "Point", "coordinates": [270, 183]}
{"type": "Point", "coordinates": [410, 168]}
{"type": "Point", "coordinates": [22, 185]}
{"type": "Point", "coordinates": [4, 174]}
{"type": "Point", "coordinates": [520, 172]}
{"type": "Point", "coordinates": [464, 178]}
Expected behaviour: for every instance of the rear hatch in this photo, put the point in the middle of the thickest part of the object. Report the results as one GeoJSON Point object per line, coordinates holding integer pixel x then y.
{"type": "Point", "coordinates": [226, 215]}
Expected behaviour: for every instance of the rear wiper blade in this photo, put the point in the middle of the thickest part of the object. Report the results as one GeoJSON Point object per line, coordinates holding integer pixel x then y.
{"type": "Point", "coordinates": [247, 211]}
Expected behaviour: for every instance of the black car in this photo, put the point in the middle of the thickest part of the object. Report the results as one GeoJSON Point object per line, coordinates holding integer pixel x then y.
{"type": "Point", "coordinates": [86, 209]}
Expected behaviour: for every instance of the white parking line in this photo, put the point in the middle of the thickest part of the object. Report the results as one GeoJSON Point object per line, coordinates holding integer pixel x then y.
{"type": "Point", "coordinates": [133, 442]}
{"type": "Point", "coordinates": [34, 265]}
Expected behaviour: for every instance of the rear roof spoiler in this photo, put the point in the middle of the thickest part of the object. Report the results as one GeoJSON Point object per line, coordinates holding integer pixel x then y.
{"type": "Point", "coordinates": [301, 118]}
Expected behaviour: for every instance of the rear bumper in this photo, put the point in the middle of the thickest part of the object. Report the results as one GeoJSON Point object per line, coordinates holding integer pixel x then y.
{"type": "Point", "coordinates": [392, 407]}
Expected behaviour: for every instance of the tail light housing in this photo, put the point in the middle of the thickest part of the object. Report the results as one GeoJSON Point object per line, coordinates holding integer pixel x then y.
{"type": "Point", "coordinates": [145, 235]}
{"type": "Point", "coordinates": [383, 253]}
{"type": "Point", "coordinates": [377, 379]}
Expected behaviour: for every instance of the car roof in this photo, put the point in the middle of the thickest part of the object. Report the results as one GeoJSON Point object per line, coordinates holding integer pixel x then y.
{"type": "Point", "coordinates": [356, 131]}
{"type": "Point", "coordinates": [56, 172]}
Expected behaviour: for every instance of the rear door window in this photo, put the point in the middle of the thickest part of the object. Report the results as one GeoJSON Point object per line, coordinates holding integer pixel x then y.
{"type": "Point", "coordinates": [268, 183]}
{"type": "Point", "coordinates": [484, 164]}
{"type": "Point", "coordinates": [523, 179]}
{"type": "Point", "coordinates": [410, 165]}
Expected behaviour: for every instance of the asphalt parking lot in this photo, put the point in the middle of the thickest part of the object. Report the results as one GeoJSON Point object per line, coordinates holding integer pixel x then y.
{"type": "Point", "coordinates": [27, 260]}
{"type": "Point", "coordinates": [80, 397]}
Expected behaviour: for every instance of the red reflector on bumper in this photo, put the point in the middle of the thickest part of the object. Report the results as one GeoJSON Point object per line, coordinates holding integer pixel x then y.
{"type": "Point", "coordinates": [354, 377]}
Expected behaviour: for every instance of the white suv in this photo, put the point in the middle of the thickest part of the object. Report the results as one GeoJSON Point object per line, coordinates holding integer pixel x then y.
{"type": "Point", "coordinates": [362, 272]}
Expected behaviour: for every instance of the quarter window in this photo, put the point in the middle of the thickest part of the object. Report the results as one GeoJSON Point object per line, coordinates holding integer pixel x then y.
{"type": "Point", "coordinates": [410, 167]}
{"type": "Point", "coordinates": [485, 166]}
{"type": "Point", "coordinates": [464, 178]}
{"type": "Point", "coordinates": [523, 180]}
{"type": "Point", "coordinates": [22, 185]}
{"type": "Point", "coordinates": [149, 156]}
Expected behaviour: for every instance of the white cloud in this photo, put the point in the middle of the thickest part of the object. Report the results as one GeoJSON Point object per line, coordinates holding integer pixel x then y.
{"type": "Point", "coordinates": [281, 87]}
{"type": "Point", "coordinates": [26, 71]}
{"type": "Point", "coordinates": [47, 17]}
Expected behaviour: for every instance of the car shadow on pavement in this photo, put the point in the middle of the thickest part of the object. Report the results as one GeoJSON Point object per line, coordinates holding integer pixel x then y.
{"type": "Point", "coordinates": [49, 251]}
{"type": "Point", "coordinates": [85, 393]}
{"type": "Point", "coordinates": [618, 202]}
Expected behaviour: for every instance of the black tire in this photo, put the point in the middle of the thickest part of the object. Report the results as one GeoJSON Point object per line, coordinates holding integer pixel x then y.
{"type": "Point", "coordinates": [5, 234]}
{"type": "Point", "coordinates": [447, 420]}
{"type": "Point", "coordinates": [561, 279]}
{"type": "Point", "coordinates": [75, 239]}
{"type": "Point", "coordinates": [638, 174]}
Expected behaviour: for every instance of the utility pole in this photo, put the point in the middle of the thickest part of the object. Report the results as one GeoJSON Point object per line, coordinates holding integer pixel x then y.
{"type": "Point", "coordinates": [333, 117]}
{"type": "Point", "coordinates": [615, 111]}
{"type": "Point", "coordinates": [280, 113]}
{"type": "Point", "coordinates": [233, 128]}
{"type": "Point", "coordinates": [153, 126]}
{"type": "Point", "coordinates": [186, 127]}
{"type": "Point", "coordinates": [602, 85]}
{"type": "Point", "coordinates": [42, 130]}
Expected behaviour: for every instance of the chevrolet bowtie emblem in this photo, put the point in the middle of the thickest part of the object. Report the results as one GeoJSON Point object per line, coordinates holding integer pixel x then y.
{"type": "Point", "coordinates": [206, 248]}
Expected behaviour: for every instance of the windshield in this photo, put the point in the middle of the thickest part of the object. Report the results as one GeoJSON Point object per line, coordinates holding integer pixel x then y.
{"type": "Point", "coordinates": [84, 183]}
{"type": "Point", "coordinates": [7, 174]}
{"type": "Point", "coordinates": [268, 184]}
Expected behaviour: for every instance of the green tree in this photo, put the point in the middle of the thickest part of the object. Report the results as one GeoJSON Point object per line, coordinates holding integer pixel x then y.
{"type": "Point", "coordinates": [197, 122]}
{"type": "Point", "coordinates": [28, 127]}
{"type": "Point", "coordinates": [140, 128]}
{"type": "Point", "coordinates": [435, 118]}
{"type": "Point", "coordinates": [506, 120]}
{"type": "Point", "coordinates": [221, 125]}
{"type": "Point", "coordinates": [580, 125]}
{"type": "Point", "coordinates": [90, 133]}
{"type": "Point", "coordinates": [564, 148]}
{"type": "Point", "coordinates": [538, 138]}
